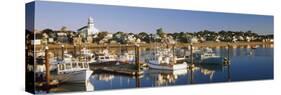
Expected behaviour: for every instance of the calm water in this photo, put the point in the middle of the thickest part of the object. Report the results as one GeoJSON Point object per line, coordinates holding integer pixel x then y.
{"type": "Point", "coordinates": [246, 64]}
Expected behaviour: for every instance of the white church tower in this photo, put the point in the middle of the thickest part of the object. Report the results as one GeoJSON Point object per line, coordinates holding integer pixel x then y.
{"type": "Point", "coordinates": [91, 28]}
{"type": "Point", "coordinates": [87, 32]}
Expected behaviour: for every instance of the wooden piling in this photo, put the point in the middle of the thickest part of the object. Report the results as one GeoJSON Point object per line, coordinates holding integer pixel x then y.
{"type": "Point", "coordinates": [228, 51]}
{"type": "Point", "coordinates": [138, 81]}
{"type": "Point", "coordinates": [191, 54]}
{"type": "Point", "coordinates": [228, 73]}
{"type": "Point", "coordinates": [137, 62]}
{"type": "Point", "coordinates": [192, 64]}
{"type": "Point", "coordinates": [48, 76]}
{"type": "Point", "coordinates": [191, 77]}
{"type": "Point", "coordinates": [79, 49]}
{"type": "Point", "coordinates": [174, 61]}
{"type": "Point", "coordinates": [74, 51]}
{"type": "Point", "coordinates": [62, 52]}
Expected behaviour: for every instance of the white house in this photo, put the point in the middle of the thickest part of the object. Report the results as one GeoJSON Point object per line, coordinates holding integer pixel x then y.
{"type": "Point", "coordinates": [193, 40]}
{"type": "Point", "coordinates": [234, 39]}
{"type": "Point", "coordinates": [248, 39]}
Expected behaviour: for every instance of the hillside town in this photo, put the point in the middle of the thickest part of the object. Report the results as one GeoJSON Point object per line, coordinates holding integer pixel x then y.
{"type": "Point", "coordinates": [90, 34]}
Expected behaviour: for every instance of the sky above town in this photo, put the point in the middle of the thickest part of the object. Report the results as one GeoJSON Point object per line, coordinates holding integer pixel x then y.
{"type": "Point", "coordinates": [55, 15]}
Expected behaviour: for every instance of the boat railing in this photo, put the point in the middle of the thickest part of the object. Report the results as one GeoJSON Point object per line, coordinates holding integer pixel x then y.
{"type": "Point", "coordinates": [71, 67]}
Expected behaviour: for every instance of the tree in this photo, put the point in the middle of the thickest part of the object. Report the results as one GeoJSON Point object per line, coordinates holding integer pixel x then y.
{"type": "Point", "coordinates": [143, 36]}
{"type": "Point", "coordinates": [101, 35]}
{"type": "Point", "coordinates": [160, 32]}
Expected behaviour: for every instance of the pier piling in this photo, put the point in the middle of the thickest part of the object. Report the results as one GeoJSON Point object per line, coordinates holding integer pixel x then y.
{"type": "Point", "coordinates": [47, 65]}
{"type": "Point", "coordinates": [191, 55]}
{"type": "Point", "coordinates": [62, 52]}
{"type": "Point", "coordinates": [74, 50]}
{"type": "Point", "coordinates": [228, 51]}
{"type": "Point", "coordinates": [227, 60]}
{"type": "Point", "coordinates": [137, 62]}
{"type": "Point", "coordinates": [174, 61]}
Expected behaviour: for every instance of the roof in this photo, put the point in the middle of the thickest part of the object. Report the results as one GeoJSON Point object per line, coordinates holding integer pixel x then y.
{"type": "Point", "coordinates": [80, 29]}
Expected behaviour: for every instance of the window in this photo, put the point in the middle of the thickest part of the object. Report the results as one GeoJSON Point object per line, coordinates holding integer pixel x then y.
{"type": "Point", "coordinates": [68, 66]}
{"type": "Point", "coordinates": [61, 66]}
{"type": "Point", "coordinates": [86, 65]}
{"type": "Point", "coordinates": [74, 65]}
{"type": "Point", "coordinates": [80, 65]}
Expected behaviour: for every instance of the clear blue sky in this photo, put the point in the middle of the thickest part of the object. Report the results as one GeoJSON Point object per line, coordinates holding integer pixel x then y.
{"type": "Point", "coordinates": [54, 15]}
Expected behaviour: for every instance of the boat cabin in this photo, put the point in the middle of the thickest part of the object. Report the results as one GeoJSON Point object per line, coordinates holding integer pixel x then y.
{"type": "Point", "coordinates": [72, 67]}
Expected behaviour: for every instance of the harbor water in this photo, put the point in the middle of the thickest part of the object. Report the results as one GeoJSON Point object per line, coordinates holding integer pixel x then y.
{"type": "Point", "coordinates": [246, 64]}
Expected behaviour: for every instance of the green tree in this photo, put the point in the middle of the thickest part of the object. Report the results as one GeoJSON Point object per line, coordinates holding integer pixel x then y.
{"type": "Point", "coordinates": [160, 32]}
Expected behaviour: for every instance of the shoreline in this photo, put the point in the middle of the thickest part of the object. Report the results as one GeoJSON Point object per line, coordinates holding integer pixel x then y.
{"type": "Point", "coordinates": [147, 45]}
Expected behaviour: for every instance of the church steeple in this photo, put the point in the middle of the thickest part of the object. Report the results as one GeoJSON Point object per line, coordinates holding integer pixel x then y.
{"type": "Point", "coordinates": [90, 26]}
{"type": "Point", "coordinates": [90, 20]}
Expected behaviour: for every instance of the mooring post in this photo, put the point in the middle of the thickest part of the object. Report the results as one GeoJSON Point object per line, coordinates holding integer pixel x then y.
{"type": "Point", "coordinates": [191, 77]}
{"type": "Point", "coordinates": [191, 54]}
{"type": "Point", "coordinates": [79, 49]}
{"type": "Point", "coordinates": [74, 50]}
{"type": "Point", "coordinates": [137, 57]}
{"type": "Point", "coordinates": [228, 53]}
{"type": "Point", "coordinates": [228, 73]}
{"type": "Point", "coordinates": [62, 52]}
{"type": "Point", "coordinates": [173, 54]}
{"type": "Point", "coordinates": [138, 81]}
{"type": "Point", "coordinates": [47, 65]}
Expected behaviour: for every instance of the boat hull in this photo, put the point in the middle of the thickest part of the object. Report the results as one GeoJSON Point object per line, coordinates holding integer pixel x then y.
{"type": "Point", "coordinates": [168, 67]}
{"type": "Point", "coordinates": [75, 77]}
{"type": "Point", "coordinates": [214, 60]}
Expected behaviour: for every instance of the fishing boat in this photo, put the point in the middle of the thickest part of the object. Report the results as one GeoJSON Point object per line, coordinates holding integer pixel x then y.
{"type": "Point", "coordinates": [86, 52]}
{"type": "Point", "coordinates": [164, 60]}
{"type": "Point", "coordinates": [104, 57]}
{"type": "Point", "coordinates": [207, 56]}
{"type": "Point", "coordinates": [74, 72]}
{"type": "Point", "coordinates": [127, 57]}
{"type": "Point", "coordinates": [87, 55]}
{"type": "Point", "coordinates": [67, 58]}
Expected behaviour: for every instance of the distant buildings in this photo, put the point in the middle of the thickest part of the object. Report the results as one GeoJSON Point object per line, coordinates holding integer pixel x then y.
{"type": "Point", "coordinates": [193, 40]}
{"type": "Point", "coordinates": [90, 34]}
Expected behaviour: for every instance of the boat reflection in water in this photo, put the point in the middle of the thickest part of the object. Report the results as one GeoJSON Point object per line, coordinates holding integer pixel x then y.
{"type": "Point", "coordinates": [69, 87]}
{"type": "Point", "coordinates": [165, 77]}
{"type": "Point", "coordinates": [105, 77]}
{"type": "Point", "coordinates": [87, 86]}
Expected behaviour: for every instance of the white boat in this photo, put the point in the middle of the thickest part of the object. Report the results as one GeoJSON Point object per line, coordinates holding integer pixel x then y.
{"type": "Point", "coordinates": [127, 57]}
{"type": "Point", "coordinates": [101, 58]}
{"type": "Point", "coordinates": [74, 72]}
{"type": "Point", "coordinates": [207, 56]}
{"type": "Point", "coordinates": [56, 60]}
{"type": "Point", "coordinates": [86, 54]}
{"type": "Point", "coordinates": [104, 57]}
{"type": "Point", "coordinates": [164, 60]}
